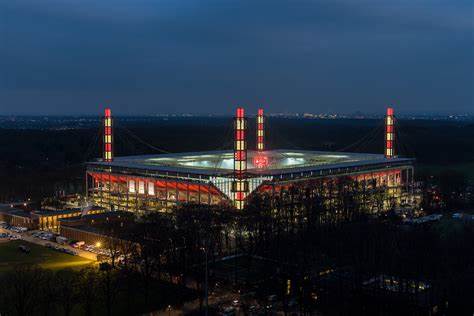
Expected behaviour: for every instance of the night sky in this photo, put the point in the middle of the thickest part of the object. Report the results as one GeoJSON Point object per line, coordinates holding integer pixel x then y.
{"type": "Point", "coordinates": [202, 56]}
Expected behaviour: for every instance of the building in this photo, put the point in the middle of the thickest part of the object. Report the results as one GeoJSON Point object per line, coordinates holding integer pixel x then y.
{"type": "Point", "coordinates": [50, 220]}
{"type": "Point", "coordinates": [159, 182]}
{"type": "Point", "coordinates": [96, 229]}
{"type": "Point", "coordinates": [17, 217]}
{"type": "Point", "coordinates": [43, 219]}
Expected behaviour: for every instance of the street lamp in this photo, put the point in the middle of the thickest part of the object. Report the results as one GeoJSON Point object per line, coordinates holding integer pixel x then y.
{"type": "Point", "coordinates": [205, 282]}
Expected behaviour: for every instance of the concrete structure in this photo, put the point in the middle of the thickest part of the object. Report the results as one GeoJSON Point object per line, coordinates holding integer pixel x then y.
{"type": "Point", "coordinates": [159, 182]}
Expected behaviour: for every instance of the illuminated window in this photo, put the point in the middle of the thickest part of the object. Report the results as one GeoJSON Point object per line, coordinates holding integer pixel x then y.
{"type": "Point", "coordinates": [239, 124]}
{"type": "Point", "coordinates": [141, 187]}
{"type": "Point", "coordinates": [131, 186]}
{"type": "Point", "coordinates": [240, 165]}
{"type": "Point", "coordinates": [240, 186]}
{"type": "Point", "coordinates": [151, 188]}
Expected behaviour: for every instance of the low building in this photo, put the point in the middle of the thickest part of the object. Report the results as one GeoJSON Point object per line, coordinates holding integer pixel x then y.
{"type": "Point", "coordinates": [49, 220]}
{"type": "Point", "coordinates": [43, 219]}
{"type": "Point", "coordinates": [95, 229]}
{"type": "Point", "coordinates": [17, 217]}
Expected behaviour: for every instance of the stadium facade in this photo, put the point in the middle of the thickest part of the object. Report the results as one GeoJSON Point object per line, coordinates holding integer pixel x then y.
{"type": "Point", "coordinates": [160, 182]}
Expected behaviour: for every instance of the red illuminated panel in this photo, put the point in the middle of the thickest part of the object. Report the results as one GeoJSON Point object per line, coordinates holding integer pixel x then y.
{"type": "Point", "coordinates": [260, 161]}
{"type": "Point", "coordinates": [241, 155]}
{"type": "Point", "coordinates": [108, 136]}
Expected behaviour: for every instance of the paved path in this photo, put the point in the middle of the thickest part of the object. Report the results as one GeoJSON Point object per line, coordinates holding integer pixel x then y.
{"type": "Point", "coordinates": [26, 236]}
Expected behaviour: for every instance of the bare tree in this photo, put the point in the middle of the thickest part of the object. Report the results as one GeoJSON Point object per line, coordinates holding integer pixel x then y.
{"type": "Point", "coordinates": [66, 282]}
{"type": "Point", "coordinates": [21, 298]}
{"type": "Point", "coordinates": [87, 286]}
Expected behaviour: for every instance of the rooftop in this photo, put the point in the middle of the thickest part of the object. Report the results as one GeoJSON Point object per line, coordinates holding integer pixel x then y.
{"type": "Point", "coordinates": [15, 211]}
{"type": "Point", "coordinates": [112, 215]}
{"type": "Point", "coordinates": [265, 163]}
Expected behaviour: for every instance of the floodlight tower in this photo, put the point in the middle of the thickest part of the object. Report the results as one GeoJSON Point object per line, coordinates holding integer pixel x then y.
{"type": "Point", "coordinates": [240, 184]}
{"type": "Point", "coordinates": [260, 131]}
{"type": "Point", "coordinates": [108, 153]}
{"type": "Point", "coordinates": [389, 134]}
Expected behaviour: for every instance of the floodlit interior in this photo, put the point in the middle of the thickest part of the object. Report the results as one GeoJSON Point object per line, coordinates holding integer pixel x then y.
{"type": "Point", "coordinates": [278, 159]}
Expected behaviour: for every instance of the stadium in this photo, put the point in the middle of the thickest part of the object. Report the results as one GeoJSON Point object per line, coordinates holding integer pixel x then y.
{"type": "Point", "coordinates": [160, 182]}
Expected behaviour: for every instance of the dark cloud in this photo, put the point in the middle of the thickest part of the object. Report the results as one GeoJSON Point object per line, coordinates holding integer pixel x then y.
{"type": "Point", "coordinates": [60, 56]}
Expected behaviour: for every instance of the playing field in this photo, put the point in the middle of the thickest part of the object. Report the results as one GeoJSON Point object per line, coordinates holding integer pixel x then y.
{"type": "Point", "coordinates": [10, 256]}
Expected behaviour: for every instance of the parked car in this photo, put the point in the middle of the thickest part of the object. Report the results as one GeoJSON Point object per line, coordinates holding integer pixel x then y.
{"type": "Point", "coordinates": [61, 240]}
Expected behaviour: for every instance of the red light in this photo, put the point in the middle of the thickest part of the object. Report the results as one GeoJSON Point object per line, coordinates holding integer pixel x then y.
{"type": "Point", "coordinates": [389, 111]}
{"type": "Point", "coordinates": [240, 155]}
{"type": "Point", "coordinates": [240, 112]}
{"type": "Point", "coordinates": [260, 161]}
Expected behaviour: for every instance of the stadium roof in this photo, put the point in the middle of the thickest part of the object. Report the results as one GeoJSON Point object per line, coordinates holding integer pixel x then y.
{"type": "Point", "coordinates": [221, 162]}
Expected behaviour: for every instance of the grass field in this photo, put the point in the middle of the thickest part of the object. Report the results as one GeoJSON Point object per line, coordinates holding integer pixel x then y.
{"type": "Point", "coordinates": [46, 258]}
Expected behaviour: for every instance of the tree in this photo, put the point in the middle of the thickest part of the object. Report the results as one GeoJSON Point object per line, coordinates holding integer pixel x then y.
{"type": "Point", "coordinates": [48, 292]}
{"type": "Point", "coordinates": [66, 282]}
{"type": "Point", "coordinates": [108, 285]}
{"type": "Point", "coordinates": [87, 288]}
{"type": "Point", "coordinates": [22, 297]}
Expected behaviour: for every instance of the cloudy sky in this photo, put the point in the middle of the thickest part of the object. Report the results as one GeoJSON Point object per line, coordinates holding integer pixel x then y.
{"type": "Point", "coordinates": [207, 56]}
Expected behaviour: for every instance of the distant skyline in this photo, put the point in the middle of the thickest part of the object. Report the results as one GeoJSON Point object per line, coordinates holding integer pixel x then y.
{"type": "Point", "coordinates": [145, 57]}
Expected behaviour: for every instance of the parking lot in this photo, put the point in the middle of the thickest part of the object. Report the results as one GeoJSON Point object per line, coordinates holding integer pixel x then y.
{"type": "Point", "coordinates": [46, 239]}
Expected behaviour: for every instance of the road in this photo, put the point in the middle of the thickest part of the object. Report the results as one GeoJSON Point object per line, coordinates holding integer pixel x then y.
{"type": "Point", "coordinates": [26, 236]}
